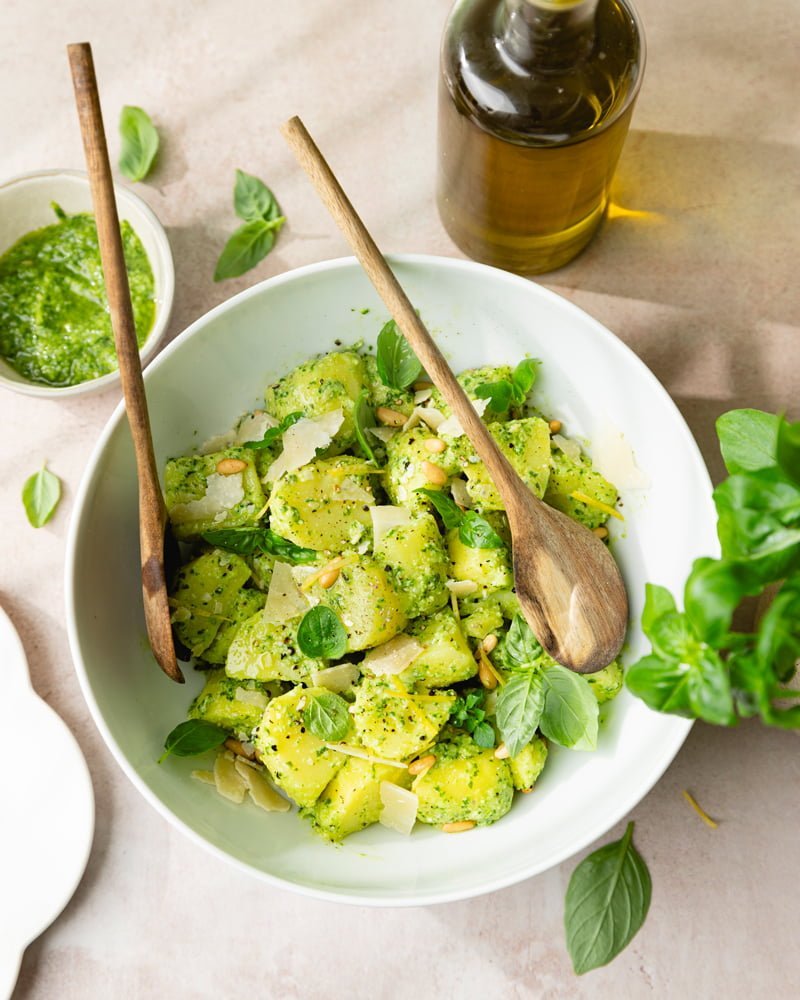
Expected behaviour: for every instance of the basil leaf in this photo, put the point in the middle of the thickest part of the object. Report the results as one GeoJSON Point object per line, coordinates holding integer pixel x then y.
{"type": "Point", "coordinates": [748, 440]}
{"type": "Point", "coordinates": [61, 215]}
{"type": "Point", "coordinates": [607, 901]}
{"type": "Point", "coordinates": [321, 634]}
{"type": "Point", "coordinates": [570, 714]}
{"type": "Point", "coordinates": [446, 507]}
{"type": "Point", "coordinates": [521, 648]}
{"type": "Point", "coordinates": [713, 591]}
{"type": "Point", "coordinates": [499, 394]}
{"type": "Point", "coordinates": [483, 735]}
{"type": "Point", "coordinates": [788, 450]}
{"type": "Point", "coordinates": [191, 738]}
{"type": "Point", "coordinates": [398, 366]}
{"type": "Point", "coordinates": [327, 716]}
{"type": "Point", "coordinates": [502, 393]}
{"type": "Point", "coordinates": [139, 143]}
{"type": "Point", "coordinates": [252, 199]}
{"type": "Point", "coordinates": [251, 541]}
{"type": "Point", "coordinates": [523, 378]}
{"type": "Point", "coordinates": [364, 418]}
{"type": "Point", "coordinates": [778, 642]}
{"type": "Point", "coordinates": [41, 493]}
{"type": "Point", "coordinates": [661, 684]}
{"type": "Point", "coordinates": [476, 532]}
{"type": "Point", "coordinates": [657, 602]}
{"type": "Point", "coordinates": [248, 246]}
{"type": "Point", "coordinates": [520, 703]}
{"type": "Point", "coordinates": [709, 688]}
{"type": "Point", "coordinates": [673, 638]}
{"type": "Point", "coordinates": [272, 434]}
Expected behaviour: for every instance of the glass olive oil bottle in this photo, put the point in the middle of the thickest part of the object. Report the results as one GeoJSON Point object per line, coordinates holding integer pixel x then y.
{"type": "Point", "coordinates": [534, 105]}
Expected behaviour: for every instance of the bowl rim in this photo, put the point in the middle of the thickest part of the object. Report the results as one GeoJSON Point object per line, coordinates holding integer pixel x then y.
{"type": "Point", "coordinates": [680, 726]}
{"type": "Point", "coordinates": [163, 315]}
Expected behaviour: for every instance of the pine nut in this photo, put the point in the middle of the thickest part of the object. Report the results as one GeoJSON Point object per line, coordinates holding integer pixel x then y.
{"type": "Point", "coordinates": [461, 827]}
{"type": "Point", "coordinates": [501, 753]}
{"type": "Point", "coordinates": [489, 642]}
{"type": "Point", "coordinates": [436, 445]}
{"type": "Point", "coordinates": [329, 578]}
{"type": "Point", "coordinates": [422, 764]}
{"type": "Point", "coordinates": [391, 418]}
{"type": "Point", "coordinates": [237, 747]}
{"type": "Point", "coordinates": [434, 473]}
{"type": "Point", "coordinates": [601, 532]}
{"type": "Point", "coordinates": [526, 791]}
{"type": "Point", "coordinates": [230, 466]}
{"type": "Point", "coordinates": [486, 677]}
{"type": "Point", "coordinates": [555, 426]}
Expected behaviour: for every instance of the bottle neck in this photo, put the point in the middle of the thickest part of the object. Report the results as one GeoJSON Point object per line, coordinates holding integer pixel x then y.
{"type": "Point", "coordinates": [548, 35]}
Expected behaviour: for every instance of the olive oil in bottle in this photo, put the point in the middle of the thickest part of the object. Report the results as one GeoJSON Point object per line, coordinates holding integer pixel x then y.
{"type": "Point", "coordinates": [535, 101]}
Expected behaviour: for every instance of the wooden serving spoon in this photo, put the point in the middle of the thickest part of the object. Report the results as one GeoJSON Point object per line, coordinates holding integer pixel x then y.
{"type": "Point", "coordinates": [567, 582]}
{"type": "Point", "coordinates": [152, 510]}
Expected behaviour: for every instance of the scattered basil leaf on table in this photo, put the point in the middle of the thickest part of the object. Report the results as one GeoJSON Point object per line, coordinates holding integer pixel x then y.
{"type": "Point", "coordinates": [473, 530]}
{"type": "Point", "coordinates": [505, 392]}
{"type": "Point", "coordinates": [607, 901]}
{"type": "Point", "coordinates": [398, 366]}
{"type": "Point", "coordinates": [41, 493]}
{"type": "Point", "coordinates": [321, 634]}
{"type": "Point", "coordinates": [193, 737]}
{"type": "Point", "coordinates": [520, 703]}
{"type": "Point", "coordinates": [253, 200]}
{"type": "Point", "coordinates": [273, 434]}
{"type": "Point", "coordinates": [249, 245]}
{"type": "Point", "coordinates": [139, 143]}
{"type": "Point", "coordinates": [327, 716]}
{"type": "Point", "coordinates": [250, 541]}
{"type": "Point", "coordinates": [364, 418]}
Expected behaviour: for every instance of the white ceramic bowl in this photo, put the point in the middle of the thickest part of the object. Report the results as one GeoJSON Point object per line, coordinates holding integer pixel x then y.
{"type": "Point", "coordinates": [25, 205]}
{"type": "Point", "coordinates": [217, 369]}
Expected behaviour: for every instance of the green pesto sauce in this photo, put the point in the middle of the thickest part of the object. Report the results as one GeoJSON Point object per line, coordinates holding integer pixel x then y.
{"type": "Point", "coordinates": [55, 326]}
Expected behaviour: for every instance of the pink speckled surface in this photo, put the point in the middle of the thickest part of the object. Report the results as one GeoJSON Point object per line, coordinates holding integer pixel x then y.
{"type": "Point", "coordinates": [703, 287]}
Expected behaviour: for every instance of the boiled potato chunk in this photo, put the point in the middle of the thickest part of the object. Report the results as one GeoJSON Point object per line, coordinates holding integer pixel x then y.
{"type": "Point", "coordinates": [415, 558]}
{"type": "Point", "coordinates": [366, 603]}
{"type": "Point", "coordinates": [323, 506]}
{"type": "Point", "coordinates": [479, 618]}
{"type": "Point", "coordinates": [568, 476]}
{"type": "Point", "coordinates": [331, 382]}
{"type": "Point", "coordinates": [606, 683]}
{"type": "Point", "coordinates": [470, 380]}
{"type": "Point", "coordinates": [268, 651]}
{"type": "Point", "coordinates": [406, 466]}
{"type": "Point", "coordinates": [231, 704]}
{"type": "Point", "coordinates": [244, 606]}
{"type": "Point", "coordinates": [526, 444]}
{"type": "Point", "coordinates": [200, 497]}
{"type": "Point", "coordinates": [446, 657]}
{"type": "Point", "coordinates": [297, 760]}
{"type": "Point", "coordinates": [352, 800]}
{"type": "Point", "coordinates": [465, 783]}
{"type": "Point", "coordinates": [528, 764]}
{"type": "Point", "coordinates": [203, 596]}
{"type": "Point", "coordinates": [489, 568]}
{"type": "Point", "coordinates": [395, 725]}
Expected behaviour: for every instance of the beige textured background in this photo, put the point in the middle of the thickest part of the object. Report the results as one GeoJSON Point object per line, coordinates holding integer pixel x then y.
{"type": "Point", "coordinates": [703, 287]}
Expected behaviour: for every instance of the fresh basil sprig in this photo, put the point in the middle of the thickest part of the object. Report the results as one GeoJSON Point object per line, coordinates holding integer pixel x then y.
{"type": "Point", "coordinates": [321, 634]}
{"type": "Point", "coordinates": [139, 143]}
{"type": "Point", "coordinates": [473, 530]}
{"type": "Point", "coordinates": [273, 434]}
{"type": "Point", "coordinates": [250, 541]}
{"type": "Point", "coordinates": [41, 493]}
{"type": "Point", "coordinates": [519, 709]}
{"type": "Point", "coordinates": [249, 245]}
{"type": "Point", "coordinates": [364, 418]}
{"type": "Point", "coordinates": [193, 737]}
{"type": "Point", "coordinates": [607, 901]}
{"type": "Point", "coordinates": [507, 392]}
{"type": "Point", "coordinates": [398, 366]}
{"type": "Point", "coordinates": [570, 714]}
{"type": "Point", "coordinates": [699, 667]}
{"type": "Point", "coordinates": [327, 716]}
{"type": "Point", "coordinates": [468, 713]}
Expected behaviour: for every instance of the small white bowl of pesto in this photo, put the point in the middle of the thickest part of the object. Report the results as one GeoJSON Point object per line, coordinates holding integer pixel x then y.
{"type": "Point", "coordinates": [55, 330]}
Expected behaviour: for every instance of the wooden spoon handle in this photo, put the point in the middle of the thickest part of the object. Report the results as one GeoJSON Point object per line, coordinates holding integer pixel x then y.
{"type": "Point", "coordinates": [386, 284]}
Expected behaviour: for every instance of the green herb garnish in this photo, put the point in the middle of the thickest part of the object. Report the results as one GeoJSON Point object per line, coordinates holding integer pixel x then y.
{"type": "Point", "coordinates": [41, 493]}
{"type": "Point", "coordinates": [507, 392]}
{"type": "Point", "coordinates": [321, 634]}
{"type": "Point", "coordinates": [364, 418]}
{"type": "Point", "coordinates": [473, 530]}
{"type": "Point", "coordinates": [191, 738]}
{"type": "Point", "coordinates": [272, 434]}
{"type": "Point", "coordinates": [468, 713]}
{"type": "Point", "coordinates": [249, 245]}
{"type": "Point", "coordinates": [249, 541]}
{"type": "Point", "coordinates": [520, 648]}
{"type": "Point", "coordinates": [520, 703]}
{"type": "Point", "coordinates": [327, 716]}
{"type": "Point", "coordinates": [139, 143]}
{"type": "Point", "coordinates": [398, 366]}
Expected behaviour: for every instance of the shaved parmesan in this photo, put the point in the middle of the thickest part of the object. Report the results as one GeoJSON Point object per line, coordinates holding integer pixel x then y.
{"type": "Point", "coordinates": [303, 440]}
{"type": "Point", "coordinates": [613, 458]}
{"type": "Point", "coordinates": [284, 600]}
{"type": "Point", "coordinates": [452, 426]}
{"type": "Point", "coordinates": [222, 494]}
{"type": "Point", "coordinates": [336, 679]}
{"type": "Point", "coordinates": [461, 494]}
{"type": "Point", "coordinates": [261, 791]}
{"type": "Point", "coordinates": [349, 751]}
{"type": "Point", "coordinates": [392, 657]}
{"type": "Point", "coordinates": [399, 808]}
{"type": "Point", "coordinates": [251, 427]}
{"type": "Point", "coordinates": [461, 588]}
{"type": "Point", "coordinates": [349, 489]}
{"type": "Point", "coordinates": [385, 519]}
{"type": "Point", "coordinates": [422, 395]}
{"type": "Point", "coordinates": [229, 782]}
{"type": "Point", "coordinates": [433, 418]}
{"type": "Point", "coordinates": [383, 433]}
{"type": "Point", "coordinates": [570, 447]}
{"type": "Point", "coordinates": [255, 698]}
{"type": "Point", "coordinates": [207, 777]}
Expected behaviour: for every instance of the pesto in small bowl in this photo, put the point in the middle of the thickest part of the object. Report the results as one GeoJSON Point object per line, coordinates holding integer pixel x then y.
{"type": "Point", "coordinates": [55, 327]}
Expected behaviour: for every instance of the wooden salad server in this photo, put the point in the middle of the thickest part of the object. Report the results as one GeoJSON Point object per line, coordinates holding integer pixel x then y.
{"type": "Point", "coordinates": [152, 510]}
{"type": "Point", "coordinates": [568, 584]}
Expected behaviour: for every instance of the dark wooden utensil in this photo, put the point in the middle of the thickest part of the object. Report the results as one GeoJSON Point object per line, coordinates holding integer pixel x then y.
{"type": "Point", "coordinates": [567, 582]}
{"type": "Point", "coordinates": [152, 511]}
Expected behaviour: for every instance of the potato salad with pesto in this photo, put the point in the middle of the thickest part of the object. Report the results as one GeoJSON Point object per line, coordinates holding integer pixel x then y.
{"type": "Point", "coordinates": [347, 588]}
